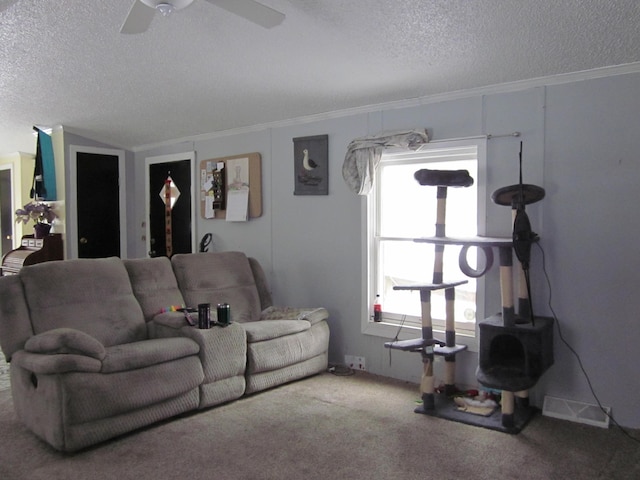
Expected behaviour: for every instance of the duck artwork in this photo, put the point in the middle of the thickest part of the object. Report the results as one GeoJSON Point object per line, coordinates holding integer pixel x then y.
{"type": "Point", "coordinates": [308, 166]}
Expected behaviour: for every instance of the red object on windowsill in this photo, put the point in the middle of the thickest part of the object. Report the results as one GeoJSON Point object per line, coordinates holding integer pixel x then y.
{"type": "Point", "coordinates": [377, 310]}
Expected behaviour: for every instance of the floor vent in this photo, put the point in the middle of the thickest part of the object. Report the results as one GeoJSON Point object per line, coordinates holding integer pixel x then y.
{"type": "Point", "coordinates": [576, 411]}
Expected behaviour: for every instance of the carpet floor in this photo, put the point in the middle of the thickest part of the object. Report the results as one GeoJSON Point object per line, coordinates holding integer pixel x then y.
{"type": "Point", "coordinates": [326, 427]}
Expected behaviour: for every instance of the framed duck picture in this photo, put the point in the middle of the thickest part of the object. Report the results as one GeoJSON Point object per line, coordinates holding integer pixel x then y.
{"type": "Point", "coordinates": [311, 165]}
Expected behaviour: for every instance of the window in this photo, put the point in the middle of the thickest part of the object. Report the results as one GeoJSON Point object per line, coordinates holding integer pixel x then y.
{"type": "Point", "coordinates": [400, 210]}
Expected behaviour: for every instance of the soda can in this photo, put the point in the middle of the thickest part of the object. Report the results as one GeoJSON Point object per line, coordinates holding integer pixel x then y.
{"type": "Point", "coordinates": [224, 313]}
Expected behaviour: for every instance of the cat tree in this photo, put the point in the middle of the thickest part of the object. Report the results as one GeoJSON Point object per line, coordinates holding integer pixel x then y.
{"type": "Point", "coordinates": [515, 348]}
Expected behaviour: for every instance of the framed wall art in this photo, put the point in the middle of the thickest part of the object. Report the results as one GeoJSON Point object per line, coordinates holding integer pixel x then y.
{"type": "Point", "coordinates": [311, 165]}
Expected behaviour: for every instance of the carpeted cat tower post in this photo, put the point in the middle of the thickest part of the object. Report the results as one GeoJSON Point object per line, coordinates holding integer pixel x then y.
{"type": "Point", "coordinates": [427, 346]}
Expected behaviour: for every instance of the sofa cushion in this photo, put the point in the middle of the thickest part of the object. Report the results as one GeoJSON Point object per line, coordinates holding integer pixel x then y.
{"type": "Point", "coordinates": [270, 329]}
{"type": "Point", "coordinates": [153, 284]}
{"type": "Point", "coordinates": [312, 315]}
{"type": "Point", "coordinates": [223, 277]}
{"type": "Point", "coordinates": [148, 352]}
{"type": "Point", "coordinates": [90, 295]}
{"type": "Point", "coordinates": [96, 396]}
{"type": "Point", "coordinates": [287, 350]}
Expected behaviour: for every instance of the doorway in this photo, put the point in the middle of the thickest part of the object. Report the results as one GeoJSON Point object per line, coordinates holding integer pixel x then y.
{"type": "Point", "coordinates": [98, 210]}
{"type": "Point", "coordinates": [6, 210]}
{"type": "Point", "coordinates": [170, 214]}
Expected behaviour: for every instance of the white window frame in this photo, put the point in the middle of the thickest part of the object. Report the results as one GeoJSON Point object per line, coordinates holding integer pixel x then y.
{"type": "Point", "coordinates": [390, 328]}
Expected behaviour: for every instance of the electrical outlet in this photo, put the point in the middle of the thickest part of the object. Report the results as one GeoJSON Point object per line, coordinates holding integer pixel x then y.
{"type": "Point", "coordinates": [356, 363]}
{"type": "Point", "coordinates": [349, 360]}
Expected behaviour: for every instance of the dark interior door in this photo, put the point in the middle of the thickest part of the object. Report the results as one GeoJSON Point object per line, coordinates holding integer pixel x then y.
{"type": "Point", "coordinates": [180, 215]}
{"type": "Point", "coordinates": [6, 215]}
{"type": "Point", "coordinates": [98, 205]}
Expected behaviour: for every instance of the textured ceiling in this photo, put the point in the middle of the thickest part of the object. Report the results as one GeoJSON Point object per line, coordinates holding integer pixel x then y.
{"type": "Point", "coordinates": [204, 70]}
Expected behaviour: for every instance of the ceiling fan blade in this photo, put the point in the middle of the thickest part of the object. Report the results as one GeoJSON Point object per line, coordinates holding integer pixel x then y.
{"type": "Point", "coordinates": [139, 18]}
{"type": "Point", "coordinates": [253, 11]}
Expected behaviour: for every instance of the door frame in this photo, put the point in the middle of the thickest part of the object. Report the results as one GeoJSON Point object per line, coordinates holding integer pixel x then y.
{"type": "Point", "coordinates": [72, 228]}
{"type": "Point", "coordinates": [175, 157]}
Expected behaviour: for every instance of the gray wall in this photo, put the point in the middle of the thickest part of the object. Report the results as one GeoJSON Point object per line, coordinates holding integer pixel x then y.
{"type": "Point", "coordinates": [580, 144]}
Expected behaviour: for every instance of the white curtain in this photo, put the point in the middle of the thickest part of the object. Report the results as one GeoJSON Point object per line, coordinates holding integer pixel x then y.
{"type": "Point", "coordinates": [364, 153]}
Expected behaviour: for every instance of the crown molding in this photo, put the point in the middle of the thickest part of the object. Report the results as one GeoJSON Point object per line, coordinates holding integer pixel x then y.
{"type": "Point", "coordinates": [411, 102]}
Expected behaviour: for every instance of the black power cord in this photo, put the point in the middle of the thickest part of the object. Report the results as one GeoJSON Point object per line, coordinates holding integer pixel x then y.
{"type": "Point", "coordinates": [575, 354]}
{"type": "Point", "coordinates": [395, 339]}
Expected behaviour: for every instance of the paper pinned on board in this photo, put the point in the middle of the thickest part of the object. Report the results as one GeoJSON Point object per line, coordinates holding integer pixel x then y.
{"type": "Point", "coordinates": [238, 205]}
{"type": "Point", "coordinates": [209, 212]}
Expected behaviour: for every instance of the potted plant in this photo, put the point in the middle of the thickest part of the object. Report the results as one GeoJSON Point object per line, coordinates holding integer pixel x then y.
{"type": "Point", "coordinates": [42, 215]}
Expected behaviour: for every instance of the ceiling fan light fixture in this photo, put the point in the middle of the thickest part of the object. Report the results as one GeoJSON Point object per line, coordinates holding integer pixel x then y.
{"type": "Point", "coordinates": [168, 6]}
{"type": "Point", "coordinates": [165, 9]}
{"type": "Point", "coordinates": [139, 18]}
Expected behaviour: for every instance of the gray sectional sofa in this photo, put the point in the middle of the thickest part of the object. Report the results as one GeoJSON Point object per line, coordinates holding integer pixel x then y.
{"type": "Point", "coordinates": [95, 351]}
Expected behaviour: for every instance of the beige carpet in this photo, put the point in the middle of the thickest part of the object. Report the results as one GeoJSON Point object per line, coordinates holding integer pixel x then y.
{"type": "Point", "coordinates": [326, 427]}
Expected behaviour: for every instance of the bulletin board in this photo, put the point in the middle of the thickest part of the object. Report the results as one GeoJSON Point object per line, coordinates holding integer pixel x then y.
{"type": "Point", "coordinates": [254, 176]}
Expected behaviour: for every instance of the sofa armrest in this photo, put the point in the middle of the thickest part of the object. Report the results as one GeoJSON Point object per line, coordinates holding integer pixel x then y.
{"type": "Point", "coordinates": [312, 315]}
{"type": "Point", "coordinates": [65, 341]}
{"type": "Point", "coordinates": [50, 364]}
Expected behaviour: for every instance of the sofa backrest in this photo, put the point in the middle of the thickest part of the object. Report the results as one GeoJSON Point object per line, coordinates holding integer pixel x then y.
{"type": "Point", "coordinates": [90, 295]}
{"type": "Point", "coordinates": [15, 327]}
{"type": "Point", "coordinates": [154, 284]}
{"type": "Point", "coordinates": [222, 277]}
{"type": "Point", "coordinates": [262, 285]}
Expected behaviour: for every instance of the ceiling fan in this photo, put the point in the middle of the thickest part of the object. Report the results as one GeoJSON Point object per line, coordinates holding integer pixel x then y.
{"type": "Point", "coordinates": [143, 11]}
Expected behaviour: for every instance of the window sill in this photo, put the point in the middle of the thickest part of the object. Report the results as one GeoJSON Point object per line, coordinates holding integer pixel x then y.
{"type": "Point", "coordinates": [389, 330]}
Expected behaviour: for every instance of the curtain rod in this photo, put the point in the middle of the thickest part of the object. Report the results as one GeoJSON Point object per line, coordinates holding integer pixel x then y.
{"type": "Point", "coordinates": [513, 134]}
{"type": "Point", "coordinates": [488, 136]}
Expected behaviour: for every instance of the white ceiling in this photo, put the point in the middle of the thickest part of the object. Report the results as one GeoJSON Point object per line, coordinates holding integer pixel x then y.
{"type": "Point", "coordinates": [204, 70]}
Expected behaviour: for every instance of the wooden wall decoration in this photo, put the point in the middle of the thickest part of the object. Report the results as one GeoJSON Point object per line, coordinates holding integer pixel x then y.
{"type": "Point", "coordinates": [311, 165]}
{"type": "Point", "coordinates": [207, 170]}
